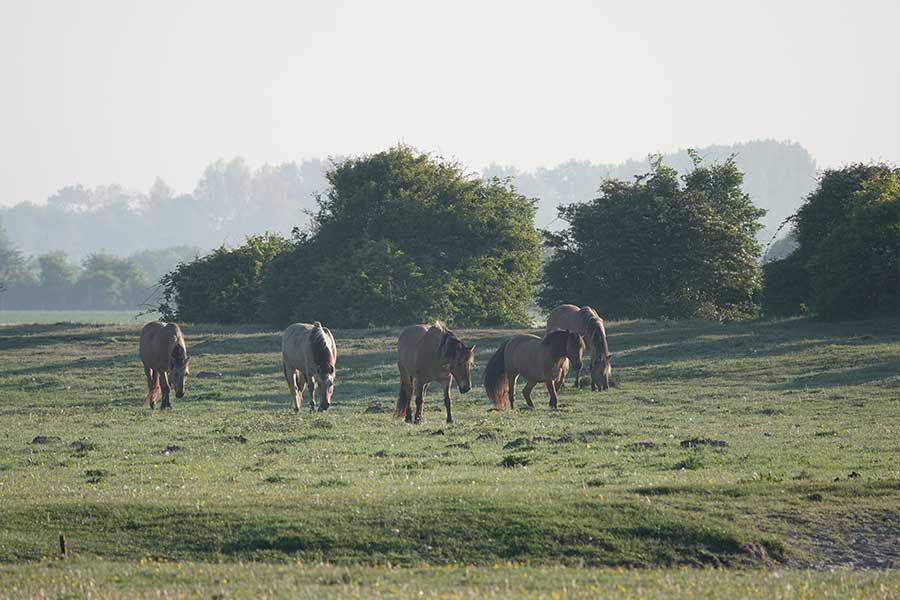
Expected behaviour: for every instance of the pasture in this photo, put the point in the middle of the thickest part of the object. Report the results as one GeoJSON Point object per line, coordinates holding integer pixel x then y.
{"type": "Point", "coordinates": [746, 460]}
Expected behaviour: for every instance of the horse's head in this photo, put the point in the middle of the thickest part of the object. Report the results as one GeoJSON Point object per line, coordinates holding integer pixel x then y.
{"type": "Point", "coordinates": [179, 369]}
{"type": "Point", "coordinates": [601, 369]}
{"type": "Point", "coordinates": [459, 360]}
{"type": "Point", "coordinates": [325, 375]}
{"type": "Point", "coordinates": [574, 349]}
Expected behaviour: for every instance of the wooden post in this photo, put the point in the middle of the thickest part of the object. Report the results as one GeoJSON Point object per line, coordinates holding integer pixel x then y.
{"type": "Point", "coordinates": [62, 547]}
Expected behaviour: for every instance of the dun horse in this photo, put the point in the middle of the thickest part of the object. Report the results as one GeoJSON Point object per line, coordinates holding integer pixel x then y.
{"type": "Point", "coordinates": [589, 325]}
{"type": "Point", "coordinates": [165, 361]}
{"type": "Point", "coordinates": [309, 355]}
{"type": "Point", "coordinates": [426, 354]}
{"type": "Point", "coordinates": [537, 360]}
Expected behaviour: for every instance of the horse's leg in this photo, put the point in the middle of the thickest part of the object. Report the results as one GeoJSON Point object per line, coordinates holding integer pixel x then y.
{"type": "Point", "coordinates": [290, 376]}
{"type": "Point", "coordinates": [164, 384]}
{"type": "Point", "coordinates": [152, 387]}
{"type": "Point", "coordinates": [448, 383]}
{"type": "Point", "coordinates": [409, 382]}
{"type": "Point", "coordinates": [511, 384]}
{"type": "Point", "coordinates": [526, 391]}
{"type": "Point", "coordinates": [578, 377]}
{"type": "Point", "coordinates": [421, 389]}
{"type": "Point", "coordinates": [553, 396]}
{"type": "Point", "coordinates": [312, 392]}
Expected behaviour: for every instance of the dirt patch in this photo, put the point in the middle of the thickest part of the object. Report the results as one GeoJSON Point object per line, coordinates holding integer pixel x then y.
{"type": "Point", "coordinates": [866, 541]}
{"type": "Point", "coordinates": [170, 449]}
{"type": "Point", "coordinates": [208, 375]}
{"type": "Point", "coordinates": [642, 446]}
{"type": "Point", "coordinates": [490, 435]}
{"type": "Point", "coordinates": [697, 442]}
{"type": "Point", "coordinates": [375, 408]}
{"type": "Point", "coordinates": [463, 445]}
{"type": "Point", "coordinates": [239, 438]}
{"type": "Point", "coordinates": [45, 439]}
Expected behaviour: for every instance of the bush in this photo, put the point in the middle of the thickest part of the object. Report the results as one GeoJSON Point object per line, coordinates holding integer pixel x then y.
{"type": "Point", "coordinates": [660, 247]}
{"type": "Point", "coordinates": [221, 287]}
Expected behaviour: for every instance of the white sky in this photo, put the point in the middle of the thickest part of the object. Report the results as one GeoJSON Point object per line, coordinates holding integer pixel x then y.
{"type": "Point", "coordinates": [121, 92]}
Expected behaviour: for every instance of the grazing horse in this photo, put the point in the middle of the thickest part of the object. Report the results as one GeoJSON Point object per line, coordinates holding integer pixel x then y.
{"type": "Point", "coordinates": [431, 353]}
{"type": "Point", "coordinates": [589, 325]}
{"type": "Point", "coordinates": [165, 361]}
{"type": "Point", "coordinates": [308, 356]}
{"type": "Point", "coordinates": [537, 360]}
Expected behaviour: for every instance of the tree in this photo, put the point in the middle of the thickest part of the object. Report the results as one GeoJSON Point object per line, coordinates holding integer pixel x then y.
{"type": "Point", "coordinates": [56, 280]}
{"type": "Point", "coordinates": [221, 287]}
{"type": "Point", "coordinates": [405, 237]}
{"type": "Point", "coordinates": [660, 247]}
{"type": "Point", "coordinates": [847, 263]}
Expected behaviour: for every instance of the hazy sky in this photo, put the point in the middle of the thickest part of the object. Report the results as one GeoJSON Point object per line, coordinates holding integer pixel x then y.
{"type": "Point", "coordinates": [115, 91]}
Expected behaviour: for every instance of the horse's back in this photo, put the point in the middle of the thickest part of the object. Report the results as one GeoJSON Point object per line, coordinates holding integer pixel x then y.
{"type": "Point", "coordinates": [408, 346]}
{"type": "Point", "coordinates": [157, 341]}
{"type": "Point", "coordinates": [564, 316]}
{"type": "Point", "coordinates": [293, 343]}
{"type": "Point", "coordinates": [523, 354]}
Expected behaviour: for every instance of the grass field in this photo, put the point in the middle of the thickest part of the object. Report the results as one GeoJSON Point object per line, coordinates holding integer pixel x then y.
{"type": "Point", "coordinates": [742, 460]}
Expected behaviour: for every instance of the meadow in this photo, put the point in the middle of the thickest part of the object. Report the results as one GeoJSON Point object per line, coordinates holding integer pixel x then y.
{"type": "Point", "coordinates": [755, 459]}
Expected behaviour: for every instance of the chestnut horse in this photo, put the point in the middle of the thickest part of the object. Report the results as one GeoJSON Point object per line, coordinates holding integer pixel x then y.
{"type": "Point", "coordinates": [537, 360]}
{"type": "Point", "coordinates": [426, 354]}
{"type": "Point", "coordinates": [165, 359]}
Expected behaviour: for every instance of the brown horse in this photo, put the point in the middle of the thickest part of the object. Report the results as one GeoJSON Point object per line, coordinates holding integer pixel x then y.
{"type": "Point", "coordinates": [426, 354]}
{"type": "Point", "coordinates": [308, 356]}
{"type": "Point", "coordinates": [537, 360]}
{"type": "Point", "coordinates": [165, 361]}
{"type": "Point", "coordinates": [589, 325]}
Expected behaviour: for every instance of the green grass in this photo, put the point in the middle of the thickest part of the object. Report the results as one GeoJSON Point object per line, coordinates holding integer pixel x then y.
{"type": "Point", "coordinates": [793, 465]}
{"type": "Point", "coordinates": [24, 317]}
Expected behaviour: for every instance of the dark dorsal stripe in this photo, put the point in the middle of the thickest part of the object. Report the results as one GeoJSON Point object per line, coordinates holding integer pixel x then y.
{"type": "Point", "coordinates": [318, 344]}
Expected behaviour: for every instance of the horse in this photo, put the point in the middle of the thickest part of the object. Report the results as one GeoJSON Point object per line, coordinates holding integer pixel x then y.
{"type": "Point", "coordinates": [309, 355]}
{"type": "Point", "coordinates": [431, 353]}
{"type": "Point", "coordinates": [538, 360]}
{"type": "Point", "coordinates": [589, 325]}
{"type": "Point", "coordinates": [166, 362]}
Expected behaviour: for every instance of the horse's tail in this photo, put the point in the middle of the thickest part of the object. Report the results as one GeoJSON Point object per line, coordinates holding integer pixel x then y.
{"type": "Point", "coordinates": [496, 384]}
{"type": "Point", "coordinates": [404, 398]}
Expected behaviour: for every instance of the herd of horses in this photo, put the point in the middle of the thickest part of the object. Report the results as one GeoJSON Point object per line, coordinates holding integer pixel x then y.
{"type": "Point", "coordinates": [425, 354]}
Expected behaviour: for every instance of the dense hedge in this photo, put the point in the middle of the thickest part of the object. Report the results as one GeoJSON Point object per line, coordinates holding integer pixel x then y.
{"type": "Point", "coordinates": [400, 237]}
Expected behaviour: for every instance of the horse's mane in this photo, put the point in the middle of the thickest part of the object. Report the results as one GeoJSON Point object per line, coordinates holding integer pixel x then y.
{"type": "Point", "coordinates": [592, 325]}
{"type": "Point", "coordinates": [450, 344]}
{"type": "Point", "coordinates": [318, 343]}
{"type": "Point", "coordinates": [179, 354]}
{"type": "Point", "coordinates": [557, 340]}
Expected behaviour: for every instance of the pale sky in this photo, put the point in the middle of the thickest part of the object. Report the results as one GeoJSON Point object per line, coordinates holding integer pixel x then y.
{"type": "Point", "coordinates": [117, 91]}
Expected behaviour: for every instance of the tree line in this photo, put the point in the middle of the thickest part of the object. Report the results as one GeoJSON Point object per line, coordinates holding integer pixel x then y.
{"type": "Point", "coordinates": [101, 281]}
{"type": "Point", "coordinates": [402, 236]}
{"type": "Point", "coordinates": [231, 200]}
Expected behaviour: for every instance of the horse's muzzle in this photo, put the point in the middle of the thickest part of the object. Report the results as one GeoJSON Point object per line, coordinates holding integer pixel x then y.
{"type": "Point", "coordinates": [464, 388]}
{"type": "Point", "coordinates": [179, 394]}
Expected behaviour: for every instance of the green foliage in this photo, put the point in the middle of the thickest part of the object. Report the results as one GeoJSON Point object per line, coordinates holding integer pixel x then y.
{"type": "Point", "coordinates": [403, 237]}
{"type": "Point", "coordinates": [785, 286]}
{"type": "Point", "coordinates": [847, 264]}
{"type": "Point", "coordinates": [221, 287]}
{"type": "Point", "coordinates": [661, 246]}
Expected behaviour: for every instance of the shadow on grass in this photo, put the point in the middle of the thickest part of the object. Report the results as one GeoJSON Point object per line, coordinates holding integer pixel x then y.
{"type": "Point", "coordinates": [409, 530]}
